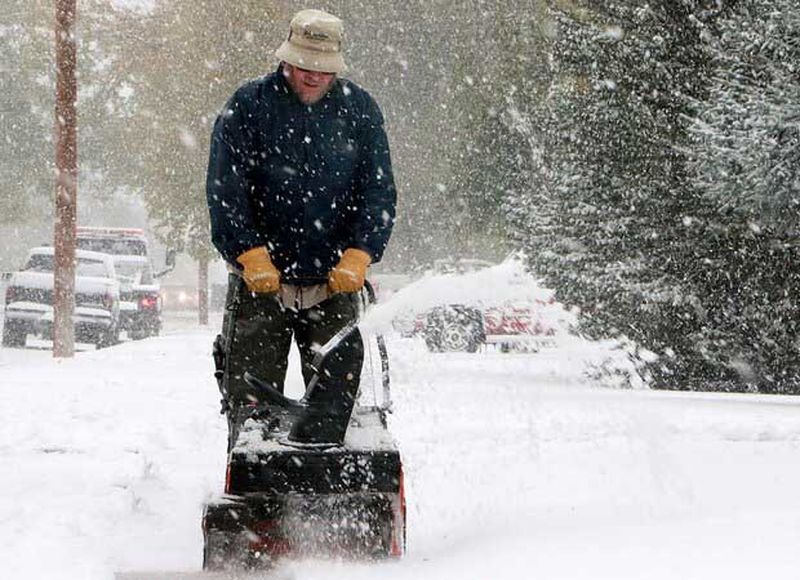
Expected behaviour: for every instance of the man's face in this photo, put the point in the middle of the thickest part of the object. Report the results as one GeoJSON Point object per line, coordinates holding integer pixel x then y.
{"type": "Point", "coordinates": [309, 85]}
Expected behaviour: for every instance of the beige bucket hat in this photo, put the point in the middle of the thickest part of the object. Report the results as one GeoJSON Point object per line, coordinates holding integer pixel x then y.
{"type": "Point", "coordinates": [314, 42]}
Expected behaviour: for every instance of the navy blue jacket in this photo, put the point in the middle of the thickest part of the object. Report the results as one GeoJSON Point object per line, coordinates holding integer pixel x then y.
{"type": "Point", "coordinates": [307, 181]}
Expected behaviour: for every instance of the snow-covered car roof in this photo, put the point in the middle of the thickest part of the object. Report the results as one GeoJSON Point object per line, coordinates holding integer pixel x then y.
{"type": "Point", "coordinates": [99, 282]}
{"type": "Point", "coordinates": [85, 254]}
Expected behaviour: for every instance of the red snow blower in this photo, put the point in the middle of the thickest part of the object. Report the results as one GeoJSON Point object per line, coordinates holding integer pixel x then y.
{"type": "Point", "coordinates": [287, 501]}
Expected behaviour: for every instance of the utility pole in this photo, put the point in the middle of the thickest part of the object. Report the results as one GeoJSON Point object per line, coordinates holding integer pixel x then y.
{"type": "Point", "coordinates": [66, 180]}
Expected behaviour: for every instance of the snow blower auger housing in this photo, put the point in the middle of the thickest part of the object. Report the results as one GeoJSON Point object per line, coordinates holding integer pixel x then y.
{"type": "Point", "coordinates": [283, 500]}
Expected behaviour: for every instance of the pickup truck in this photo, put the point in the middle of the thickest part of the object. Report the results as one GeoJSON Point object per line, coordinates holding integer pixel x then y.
{"type": "Point", "coordinates": [141, 294]}
{"type": "Point", "coordinates": [29, 299]}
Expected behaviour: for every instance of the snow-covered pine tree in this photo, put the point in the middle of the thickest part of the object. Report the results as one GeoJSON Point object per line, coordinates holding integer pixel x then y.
{"type": "Point", "coordinates": [746, 163]}
{"type": "Point", "coordinates": [608, 223]}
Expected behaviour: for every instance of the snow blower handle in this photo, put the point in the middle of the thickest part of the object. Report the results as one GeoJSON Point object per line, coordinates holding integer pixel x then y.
{"type": "Point", "coordinates": [386, 404]}
{"type": "Point", "coordinates": [326, 349]}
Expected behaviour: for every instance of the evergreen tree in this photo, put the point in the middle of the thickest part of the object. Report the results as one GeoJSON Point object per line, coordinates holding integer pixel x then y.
{"type": "Point", "coordinates": [607, 219]}
{"type": "Point", "coordinates": [746, 155]}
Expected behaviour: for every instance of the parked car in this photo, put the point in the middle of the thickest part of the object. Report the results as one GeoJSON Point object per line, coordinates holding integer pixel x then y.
{"type": "Point", "coordinates": [456, 327]}
{"type": "Point", "coordinates": [140, 300]}
{"type": "Point", "coordinates": [462, 305]}
{"type": "Point", "coordinates": [29, 299]}
{"type": "Point", "coordinates": [141, 293]}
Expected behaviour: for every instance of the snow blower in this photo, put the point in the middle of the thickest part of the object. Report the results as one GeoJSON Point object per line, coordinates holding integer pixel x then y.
{"type": "Point", "coordinates": [287, 501]}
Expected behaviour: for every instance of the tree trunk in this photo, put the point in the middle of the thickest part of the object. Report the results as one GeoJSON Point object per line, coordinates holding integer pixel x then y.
{"type": "Point", "coordinates": [66, 181]}
{"type": "Point", "coordinates": [202, 291]}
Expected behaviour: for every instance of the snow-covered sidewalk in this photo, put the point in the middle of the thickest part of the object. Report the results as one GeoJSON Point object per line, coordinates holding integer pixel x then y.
{"type": "Point", "coordinates": [515, 466]}
{"type": "Point", "coordinates": [107, 457]}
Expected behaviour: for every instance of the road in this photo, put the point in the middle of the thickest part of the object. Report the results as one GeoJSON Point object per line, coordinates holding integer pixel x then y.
{"type": "Point", "coordinates": [517, 466]}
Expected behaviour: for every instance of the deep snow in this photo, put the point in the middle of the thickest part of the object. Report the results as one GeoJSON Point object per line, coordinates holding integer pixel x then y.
{"type": "Point", "coordinates": [516, 467]}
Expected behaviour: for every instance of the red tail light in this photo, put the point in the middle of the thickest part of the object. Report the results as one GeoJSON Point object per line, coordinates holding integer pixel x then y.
{"type": "Point", "coordinates": [11, 294]}
{"type": "Point", "coordinates": [148, 302]}
{"type": "Point", "coordinates": [108, 301]}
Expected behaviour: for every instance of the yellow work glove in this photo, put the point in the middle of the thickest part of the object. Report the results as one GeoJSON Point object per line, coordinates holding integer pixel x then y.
{"type": "Point", "coordinates": [260, 274]}
{"type": "Point", "coordinates": [349, 274]}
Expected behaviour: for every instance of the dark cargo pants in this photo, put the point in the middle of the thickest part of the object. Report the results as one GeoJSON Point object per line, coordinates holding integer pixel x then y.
{"type": "Point", "coordinates": [257, 332]}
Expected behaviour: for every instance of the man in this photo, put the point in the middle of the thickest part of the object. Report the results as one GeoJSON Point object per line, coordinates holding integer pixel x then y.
{"type": "Point", "coordinates": [302, 200]}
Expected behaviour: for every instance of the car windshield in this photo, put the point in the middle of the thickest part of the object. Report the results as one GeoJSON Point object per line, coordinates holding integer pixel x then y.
{"type": "Point", "coordinates": [85, 267]}
{"type": "Point", "coordinates": [134, 272]}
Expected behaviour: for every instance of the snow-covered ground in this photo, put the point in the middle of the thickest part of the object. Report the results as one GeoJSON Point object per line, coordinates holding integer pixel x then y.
{"type": "Point", "coordinates": [516, 467]}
